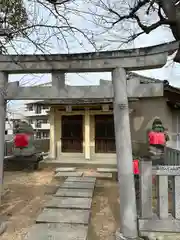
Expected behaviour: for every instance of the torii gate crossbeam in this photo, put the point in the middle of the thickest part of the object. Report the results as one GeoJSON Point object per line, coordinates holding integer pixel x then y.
{"type": "Point", "coordinates": [131, 59]}
{"type": "Point", "coordinates": [118, 62]}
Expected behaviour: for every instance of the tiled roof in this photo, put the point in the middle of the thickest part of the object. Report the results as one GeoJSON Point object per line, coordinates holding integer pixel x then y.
{"type": "Point", "coordinates": [143, 79]}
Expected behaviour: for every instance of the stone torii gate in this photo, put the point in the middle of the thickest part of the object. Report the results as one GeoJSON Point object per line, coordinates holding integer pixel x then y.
{"type": "Point", "coordinates": [118, 62]}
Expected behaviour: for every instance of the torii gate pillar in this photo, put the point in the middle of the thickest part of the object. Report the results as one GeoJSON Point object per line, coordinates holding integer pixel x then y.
{"type": "Point", "coordinates": [128, 214]}
{"type": "Point", "coordinates": [3, 85]}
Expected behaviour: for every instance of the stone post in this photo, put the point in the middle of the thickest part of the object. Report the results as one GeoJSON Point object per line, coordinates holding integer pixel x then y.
{"type": "Point", "coordinates": [58, 79]}
{"type": "Point", "coordinates": [87, 134]}
{"type": "Point", "coordinates": [58, 126]}
{"type": "Point", "coordinates": [52, 152]}
{"type": "Point", "coordinates": [128, 212]}
{"type": "Point", "coordinates": [58, 82]}
{"type": "Point", "coordinates": [3, 84]}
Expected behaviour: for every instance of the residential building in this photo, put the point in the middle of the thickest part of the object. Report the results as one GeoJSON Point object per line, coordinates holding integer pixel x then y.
{"type": "Point", "coordinates": [37, 115]}
{"type": "Point", "coordinates": [11, 118]}
{"type": "Point", "coordinates": [8, 127]}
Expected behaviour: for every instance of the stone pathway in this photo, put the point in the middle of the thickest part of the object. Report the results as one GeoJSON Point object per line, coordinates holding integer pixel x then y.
{"type": "Point", "coordinates": [66, 216]}
{"type": "Point", "coordinates": [67, 169]}
{"type": "Point", "coordinates": [102, 173]}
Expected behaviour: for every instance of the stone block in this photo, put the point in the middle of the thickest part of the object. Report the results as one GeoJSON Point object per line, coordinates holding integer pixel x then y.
{"type": "Point", "coordinates": [98, 175]}
{"type": "Point", "coordinates": [68, 174]}
{"type": "Point", "coordinates": [81, 179]}
{"type": "Point", "coordinates": [66, 169]}
{"type": "Point", "coordinates": [69, 203]}
{"type": "Point", "coordinates": [56, 231]}
{"type": "Point", "coordinates": [120, 236]}
{"type": "Point", "coordinates": [78, 185]}
{"type": "Point", "coordinates": [63, 192]}
{"type": "Point", "coordinates": [107, 170]}
{"type": "Point", "coordinates": [71, 216]}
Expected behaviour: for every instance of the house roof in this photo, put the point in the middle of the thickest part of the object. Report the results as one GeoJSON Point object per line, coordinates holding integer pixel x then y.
{"type": "Point", "coordinates": [143, 79]}
{"type": "Point", "coordinates": [172, 94]}
{"type": "Point", "coordinates": [169, 92]}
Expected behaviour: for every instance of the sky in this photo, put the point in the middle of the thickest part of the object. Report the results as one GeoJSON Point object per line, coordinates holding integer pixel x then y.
{"type": "Point", "coordinates": [170, 71]}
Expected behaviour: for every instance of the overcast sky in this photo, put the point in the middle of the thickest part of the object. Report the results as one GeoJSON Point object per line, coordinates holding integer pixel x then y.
{"type": "Point", "coordinates": [170, 72]}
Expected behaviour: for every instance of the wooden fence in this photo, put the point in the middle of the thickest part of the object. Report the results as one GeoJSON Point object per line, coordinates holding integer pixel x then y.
{"type": "Point", "coordinates": [165, 215]}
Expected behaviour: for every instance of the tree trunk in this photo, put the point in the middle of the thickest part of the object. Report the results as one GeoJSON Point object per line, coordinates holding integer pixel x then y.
{"type": "Point", "coordinates": [172, 13]}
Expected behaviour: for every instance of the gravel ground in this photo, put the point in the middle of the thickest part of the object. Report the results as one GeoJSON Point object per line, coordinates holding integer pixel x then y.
{"type": "Point", "coordinates": [23, 200]}
{"type": "Point", "coordinates": [27, 192]}
{"type": "Point", "coordinates": [105, 211]}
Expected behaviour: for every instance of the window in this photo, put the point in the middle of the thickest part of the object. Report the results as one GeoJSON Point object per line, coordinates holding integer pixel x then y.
{"type": "Point", "coordinates": [30, 121]}
{"type": "Point", "coordinates": [30, 107]}
{"type": "Point", "coordinates": [38, 135]}
{"type": "Point", "coordinates": [6, 132]}
{"type": "Point", "coordinates": [38, 124]}
{"type": "Point", "coordinates": [45, 134]}
{"type": "Point", "coordinates": [38, 109]}
{"type": "Point", "coordinates": [44, 121]}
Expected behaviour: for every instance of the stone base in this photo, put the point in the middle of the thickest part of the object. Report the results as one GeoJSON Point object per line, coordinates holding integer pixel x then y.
{"type": "Point", "coordinates": [119, 236]}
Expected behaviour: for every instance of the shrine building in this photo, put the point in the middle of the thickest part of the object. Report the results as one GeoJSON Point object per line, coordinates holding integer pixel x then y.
{"type": "Point", "coordinates": [84, 128]}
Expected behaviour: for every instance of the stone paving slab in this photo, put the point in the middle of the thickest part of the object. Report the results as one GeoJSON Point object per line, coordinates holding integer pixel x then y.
{"type": "Point", "coordinates": [106, 170]}
{"type": "Point", "coordinates": [81, 179]}
{"type": "Point", "coordinates": [160, 235]}
{"type": "Point", "coordinates": [69, 202]}
{"type": "Point", "coordinates": [71, 216]}
{"type": "Point", "coordinates": [68, 174]}
{"type": "Point", "coordinates": [66, 169]}
{"type": "Point", "coordinates": [66, 192]}
{"type": "Point", "coordinates": [77, 185]}
{"type": "Point", "coordinates": [98, 175]}
{"type": "Point", "coordinates": [57, 232]}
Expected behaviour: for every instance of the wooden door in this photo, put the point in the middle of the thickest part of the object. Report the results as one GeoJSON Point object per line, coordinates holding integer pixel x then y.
{"type": "Point", "coordinates": [104, 134]}
{"type": "Point", "coordinates": [72, 134]}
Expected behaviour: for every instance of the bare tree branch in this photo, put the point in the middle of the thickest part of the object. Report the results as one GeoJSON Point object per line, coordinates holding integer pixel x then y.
{"type": "Point", "coordinates": [58, 2]}
{"type": "Point", "coordinates": [43, 22]}
{"type": "Point", "coordinates": [132, 20]}
{"type": "Point", "coordinates": [131, 14]}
